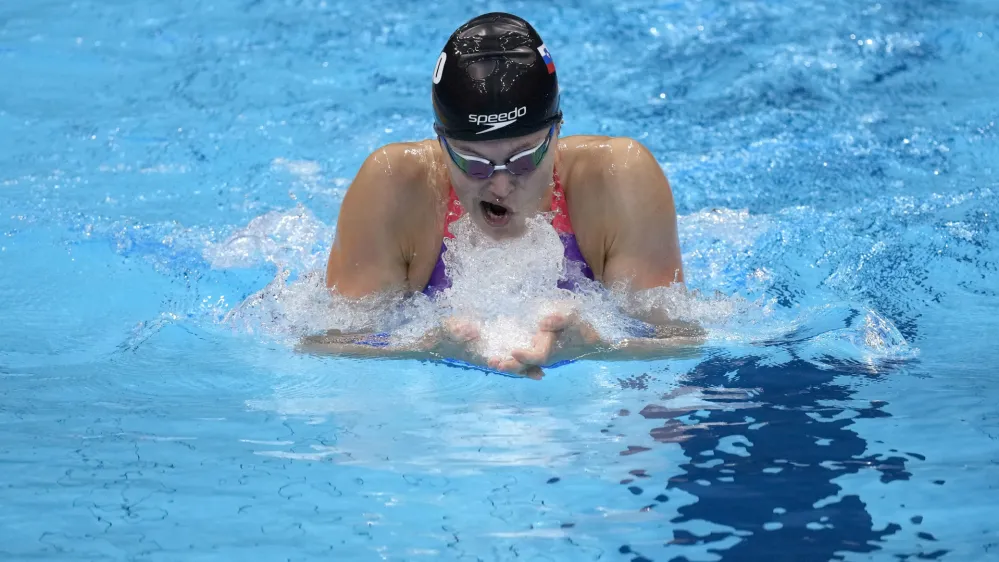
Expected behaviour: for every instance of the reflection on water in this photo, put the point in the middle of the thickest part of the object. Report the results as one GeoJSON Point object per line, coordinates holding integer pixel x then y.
{"type": "Point", "coordinates": [834, 179]}
{"type": "Point", "coordinates": [764, 454]}
{"type": "Point", "coordinates": [729, 456]}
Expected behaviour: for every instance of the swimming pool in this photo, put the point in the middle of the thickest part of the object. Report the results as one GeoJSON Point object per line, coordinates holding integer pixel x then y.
{"type": "Point", "coordinates": [833, 168]}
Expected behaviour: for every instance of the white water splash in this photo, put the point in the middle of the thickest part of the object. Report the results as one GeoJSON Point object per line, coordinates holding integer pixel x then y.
{"type": "Point", "coordinates": [506, 287]}
{"type": "Point", "coordinates": [285, 238]}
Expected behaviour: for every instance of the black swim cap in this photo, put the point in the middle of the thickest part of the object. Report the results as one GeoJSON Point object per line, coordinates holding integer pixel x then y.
{"type": "Point", "coordinates": [494, 79]}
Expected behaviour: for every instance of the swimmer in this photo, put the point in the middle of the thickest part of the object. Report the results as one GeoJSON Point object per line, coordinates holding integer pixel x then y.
{"type": "Point", "coordinates": [498, 158]}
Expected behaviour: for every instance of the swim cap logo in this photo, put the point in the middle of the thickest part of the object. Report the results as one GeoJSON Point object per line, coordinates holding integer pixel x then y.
{"type": "Point", "coordinates": [497, 120]}
{"type": "Point", "coordinates": [439, 69]}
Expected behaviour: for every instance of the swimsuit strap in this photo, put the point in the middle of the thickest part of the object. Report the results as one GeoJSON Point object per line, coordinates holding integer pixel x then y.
{"type": "Point", "coordinates": [561, 222]}
{"type": "Point", "coordinates": [454, 211]}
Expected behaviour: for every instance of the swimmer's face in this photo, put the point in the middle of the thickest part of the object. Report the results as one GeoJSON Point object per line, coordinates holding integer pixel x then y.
{"type": "Point", "coordinates": [501, 203]}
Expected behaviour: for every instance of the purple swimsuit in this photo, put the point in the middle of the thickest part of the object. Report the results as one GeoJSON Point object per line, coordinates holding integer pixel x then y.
{"type": "Point", "coordinates": [576, 264]}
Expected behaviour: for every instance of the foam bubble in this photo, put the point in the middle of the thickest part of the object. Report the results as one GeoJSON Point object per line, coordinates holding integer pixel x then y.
{"type": "Point", "coordinates": [505, 287]}
{"type": "Point", "coordinates": [305, 306]}
{"type": "Point", "coordinates": [286, 238]}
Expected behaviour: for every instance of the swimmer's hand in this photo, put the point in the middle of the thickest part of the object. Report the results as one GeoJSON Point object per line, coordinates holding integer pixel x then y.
{"type": "Point", "coordinates": [453, 331]}
{"type": "Point", "coordinates": [558, 333]}
{"type": "Point", "coordinates": [461, 330]}
{"type": "Point", "coordinates": [458, 338]}
{"type": "Point", "coordinates": [455, 337]}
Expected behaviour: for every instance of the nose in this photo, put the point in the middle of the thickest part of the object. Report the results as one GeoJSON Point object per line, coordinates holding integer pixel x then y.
{"type": "Point", "coordinates": [501, 184]}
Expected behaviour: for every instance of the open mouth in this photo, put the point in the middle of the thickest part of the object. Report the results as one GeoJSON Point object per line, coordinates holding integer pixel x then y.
{"type": "Point", "coordinates": [496, 215]}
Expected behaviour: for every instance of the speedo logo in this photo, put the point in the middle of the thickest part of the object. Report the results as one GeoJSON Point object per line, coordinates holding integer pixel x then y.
{"type": "Point", "coordinates": [497, 120]}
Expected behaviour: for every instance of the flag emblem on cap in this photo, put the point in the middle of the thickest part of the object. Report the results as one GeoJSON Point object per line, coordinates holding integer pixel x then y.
{"type": "Point", "coordinates": [547, 57]}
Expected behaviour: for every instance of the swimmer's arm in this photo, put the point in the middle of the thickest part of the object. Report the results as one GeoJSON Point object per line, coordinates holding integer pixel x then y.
{"type": "Point", "coordinates": [643, 248]}
{"type": "Point", "coordinates": [365, 345]}
{"type": "Point", "coordinates": [635, 203]}
{"type": "Point", "coordinates": [366, 257]}
{"type": "Point", "coordinates": [448, 340]}
{"type": "Point", "coordinates": [367, 271]}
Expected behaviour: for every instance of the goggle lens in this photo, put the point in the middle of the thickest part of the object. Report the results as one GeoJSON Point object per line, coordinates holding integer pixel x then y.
{"type": "Point", "coordinates": [521, 164]}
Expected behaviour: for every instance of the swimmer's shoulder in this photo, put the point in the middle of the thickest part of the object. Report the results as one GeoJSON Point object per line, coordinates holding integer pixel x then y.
{"type": "Point", "coordinates": [402, 171]}
{"type": "Point", "coordinates": [613, 183]}
{"type": "Point", "coordinates": [398, 183]}
{"type": "Point", "coordinates": [598, 166]}
{"type": "Point", "coordinates": [598, 156]}
{"type": "Point", "coordinates": [387, 216]}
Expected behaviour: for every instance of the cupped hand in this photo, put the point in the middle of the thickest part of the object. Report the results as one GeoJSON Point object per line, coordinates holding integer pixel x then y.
{"type": "Point", "coordinates": [460, 330]}
{"type": "Point", "coordinates": [452, 336]}
{"type": "Point", "coordinates": [556, 331]}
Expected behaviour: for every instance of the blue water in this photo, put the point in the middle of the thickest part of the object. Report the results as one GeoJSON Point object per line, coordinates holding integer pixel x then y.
{"type": "Point", "coordinates": [832, 163]}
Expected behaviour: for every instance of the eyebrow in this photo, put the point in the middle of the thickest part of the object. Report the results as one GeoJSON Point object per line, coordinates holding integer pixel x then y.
{"type": "Point", "coordinates": [517, 149]}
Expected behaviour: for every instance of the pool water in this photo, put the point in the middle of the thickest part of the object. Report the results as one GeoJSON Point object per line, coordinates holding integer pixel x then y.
{"type": "Point", "coordinates": [163, 166]}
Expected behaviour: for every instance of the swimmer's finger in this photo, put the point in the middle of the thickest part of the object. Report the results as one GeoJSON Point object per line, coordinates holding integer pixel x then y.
{"type": "Point", "coordinates": [506, 365]}
{"type": "Point", "coordinates": [464, 333]}
{"type": "Point", "coordinates": [513, 366]}
{"type": "Point", "coordinates": [559, 321]}
{"type": "Point", "coordinates": [531, 356]}
{"type": "Point", "coordinates": [498, 363]}
{"type": "Point", "coordinates": [572, 327]}
{"type": "Point", "coordinates": [588, 333]}
{"type": "Point", "coordinates": [461, 330]}
{"type": "Point", "coordinates": [534, 373]}
{"type": "Point", "coordinates": [541, 350]}
{"type": "Point", "coordinates": [554, 322]}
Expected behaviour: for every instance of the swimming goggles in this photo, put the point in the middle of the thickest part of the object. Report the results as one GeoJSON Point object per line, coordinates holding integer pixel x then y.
{"type": "Point", "coordinates": [519, 164]}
